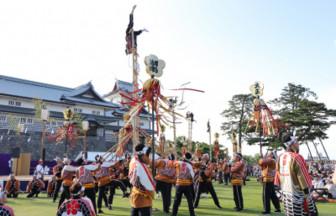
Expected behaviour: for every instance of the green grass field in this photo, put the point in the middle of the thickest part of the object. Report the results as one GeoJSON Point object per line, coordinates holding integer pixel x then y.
{"type": "Point", "coordinates": [44, 206]}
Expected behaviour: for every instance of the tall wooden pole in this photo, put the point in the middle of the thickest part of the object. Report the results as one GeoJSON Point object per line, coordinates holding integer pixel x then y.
{"type": "Point", "coordinates": [174, 128]}
{"type": "Point", "coordinates": [85, 145]}
{"type": "Point", "coordinates": [310, 153]}
{"type": "Point", "coordinates": [324, 149]}
{"type": "Point", "coordinates": [317, 152]}
{"type": "Point", "coordinates": [136, 120]}
{"type": "Point", "coordinates": [153, 137]}
{"type": "Point", "coordinates": [42, 149]}
{"type": "Point", "coordinates": [210, 141]}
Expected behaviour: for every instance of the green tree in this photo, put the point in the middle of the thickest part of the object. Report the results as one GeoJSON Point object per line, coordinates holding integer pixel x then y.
{"type": "Point", "coordinates": [299, 109]}
{"type": "Point", "coordinates": [237, 115]}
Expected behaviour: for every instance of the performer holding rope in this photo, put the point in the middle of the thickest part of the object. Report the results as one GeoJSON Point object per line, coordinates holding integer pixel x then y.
{"type": "Point", "coordinates": [268, 172]}
{"type": "Point", "coordinates": [184, 184]}
{"type": "Point", "coordinates": [142, 194]}
{"type": "Point", "coordinates": [204, 182]}
{"type": "Point", "coordinates": [237, 176]}
{"type": "Point", "coordinates": [165, 178]}
{"type": "Point", "coordinates": [67, 175]}
{"type": "Point", "coordinates": [85, 177]}
{"type": "Point", "coordinates": [57, 173]}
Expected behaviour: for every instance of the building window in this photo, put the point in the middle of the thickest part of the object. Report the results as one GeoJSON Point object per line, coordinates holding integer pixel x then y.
{"type": "Point", "coordinates": [3, 118]}
{"type": "Point", "coordinates": [111, 136]}
{"type": "Point", "coordinates": [94, 112]}
{"type": "Point", "coordinates": [78, 110]}
{"type": "Point", "coordinates": [14, 103]}
{"type": "Point", "coordinates": [29, 121]}
{"type": "Point", "coordinates": [22, 120]}
{"type": "Point", "coordinates": [100, 132]}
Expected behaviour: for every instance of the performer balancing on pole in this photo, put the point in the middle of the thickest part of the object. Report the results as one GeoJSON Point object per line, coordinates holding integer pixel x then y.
{"type": "Point", "coordinates": [204, 181]}
{"type": "Point", "coordinates": [268, 172]}
{"type": "Point", "coordinates": [165, 178]}
{"type": "Point", "coordinates": [131, 35]}
{"type": "Point", "coordinates": [294, 180]}
{"type": "Point", "coordinates": [237, 176]}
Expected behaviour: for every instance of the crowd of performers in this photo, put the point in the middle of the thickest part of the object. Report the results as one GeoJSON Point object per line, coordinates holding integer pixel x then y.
{"type": "Point", "coordinates": [87, 187]}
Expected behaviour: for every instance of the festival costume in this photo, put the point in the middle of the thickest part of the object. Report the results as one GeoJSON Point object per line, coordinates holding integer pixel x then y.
{"type": "Point", "coordinates": [51, 187]}
{"type": "Point", "coordinates": [57, 172]}
{"type": "Point", "coordinates": [295, 182]}
{"type": "Point", "coordinates": [204, 184]}
{"type": "Point", "coordinates": [237, 176]}
{"type": "Point", "coordinates": [104, 181]}
{"type": "Point", "coordinates": [68, 173]}
{"type": "Point", "coordinates": [143, 188]}
{"type": "Point", "coordinates": [165, 179]}
{"type": "Point", "coordinates": [268, 173]}
{"type": "Point", "coordinates": [85, 177]}
{"type": "Point", "coordinates": [6, 210]}
{"type": "Point", "coordinates": [76, 206]}
{"type": "Point", "coordinates": [12, 188]}
{"type": "Point", "coordinates": [226, 172]}
{"type": "Point", "coordinates": [114, 174]}
{"type": "Point", "coordinates": [184, 185]}
{"type": "Point", "coordinates": [34, 187]}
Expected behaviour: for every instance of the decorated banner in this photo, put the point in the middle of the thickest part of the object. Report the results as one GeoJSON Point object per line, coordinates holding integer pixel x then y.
{"type": "Point", "coordinates": [216, 146]}
{"type": "Point", "coordinates": [262, 115]}
{"type": "Point", "coordinates": [234, 142]}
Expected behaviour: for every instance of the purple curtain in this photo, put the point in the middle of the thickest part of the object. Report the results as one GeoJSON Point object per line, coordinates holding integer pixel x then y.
{"type": "Point", "coordinates": [4, 165]}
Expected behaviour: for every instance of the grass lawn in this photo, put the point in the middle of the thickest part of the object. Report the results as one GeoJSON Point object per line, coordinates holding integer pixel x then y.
{"type": "Point", "coordinates": [43, 206]}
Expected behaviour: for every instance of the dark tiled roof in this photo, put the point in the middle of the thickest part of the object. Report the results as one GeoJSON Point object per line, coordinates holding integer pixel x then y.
{"type": "Point", "coordinates": [30, 89]}
{"type": "Point", "coordinates": [120, 86]}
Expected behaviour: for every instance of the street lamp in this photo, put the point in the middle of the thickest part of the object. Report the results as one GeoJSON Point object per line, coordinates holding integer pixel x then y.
{"type": "Point", "coordinates": [45, 118]}
{"type": "Point", "coordinates": [85, 126]}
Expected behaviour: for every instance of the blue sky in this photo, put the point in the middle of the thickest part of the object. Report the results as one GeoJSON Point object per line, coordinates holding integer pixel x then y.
{"type": "Point", "coordinates": [219, 46]}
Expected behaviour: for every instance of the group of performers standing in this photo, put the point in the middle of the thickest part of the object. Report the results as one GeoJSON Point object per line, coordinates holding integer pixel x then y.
{"type": "Point", "coordinates": [190, 176]}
